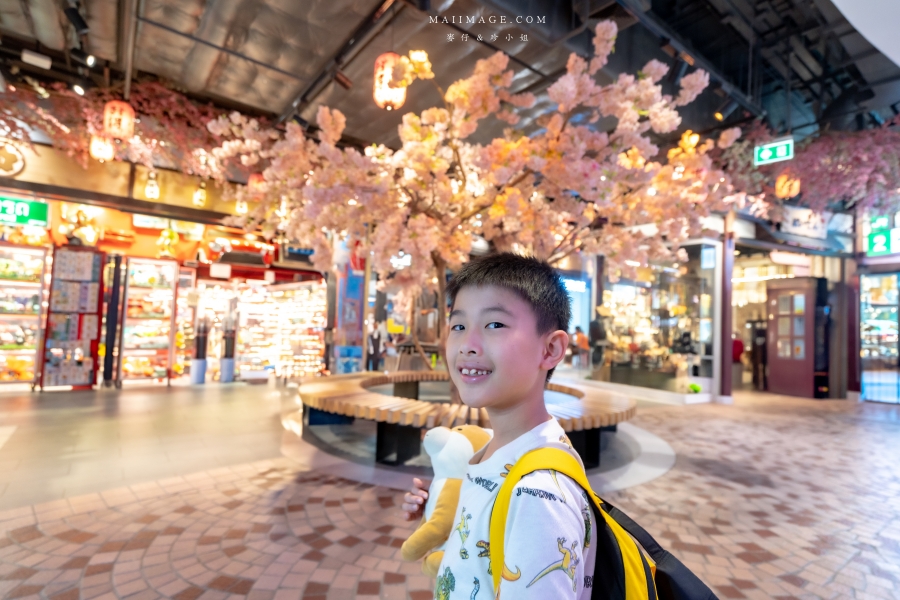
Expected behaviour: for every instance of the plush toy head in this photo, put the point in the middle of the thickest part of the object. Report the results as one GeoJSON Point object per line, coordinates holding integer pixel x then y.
{"type": "Point", "coordinates": [452, 449]}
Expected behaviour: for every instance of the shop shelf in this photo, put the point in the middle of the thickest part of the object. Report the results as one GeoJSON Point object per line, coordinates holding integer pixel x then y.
{"type": "Point", "coordinates": [163, 318]}
{"type": "Point", "coordinates": [19, 283]}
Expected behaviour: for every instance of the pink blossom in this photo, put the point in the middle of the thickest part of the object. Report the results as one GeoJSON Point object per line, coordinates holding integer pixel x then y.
{"type": "Point", "coordinates": [655, 70]}
{"type": "Point", "coordinates": [604, 41]}
{"type": "Point", "coordinates": [729, 137]}
{"type": "Point", "coordinates": [691, 87]}
{"type": "Point", "coordinates": [331, 124]}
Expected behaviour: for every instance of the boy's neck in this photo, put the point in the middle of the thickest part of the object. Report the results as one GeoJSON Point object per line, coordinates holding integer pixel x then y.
{"type": "Point", "coordinates": [508, 423]}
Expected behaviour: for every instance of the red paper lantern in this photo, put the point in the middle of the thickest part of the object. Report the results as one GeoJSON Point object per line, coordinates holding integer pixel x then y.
{"type": "Point", "coordinates": [387, 97]}
{"type": "Point", "coordinates": [118, 119]}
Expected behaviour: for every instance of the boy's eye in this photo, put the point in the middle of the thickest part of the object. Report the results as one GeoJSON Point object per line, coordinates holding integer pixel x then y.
{"type": "Point", "coordinates": [494, 325]}
{"type": "Point", "coordinates": [456, 328]}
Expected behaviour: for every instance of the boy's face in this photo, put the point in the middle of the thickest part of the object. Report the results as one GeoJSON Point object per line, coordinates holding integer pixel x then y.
{"type": "Point", "coordinates": [496, 356]}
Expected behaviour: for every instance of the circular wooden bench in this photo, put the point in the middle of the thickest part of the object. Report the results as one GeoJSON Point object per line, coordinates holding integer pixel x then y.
{"type": "Point", "coordinates": [401, 417]}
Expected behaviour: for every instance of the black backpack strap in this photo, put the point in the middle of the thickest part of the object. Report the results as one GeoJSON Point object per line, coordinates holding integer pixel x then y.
{"type": "Point", "coordinates": [674, 581]}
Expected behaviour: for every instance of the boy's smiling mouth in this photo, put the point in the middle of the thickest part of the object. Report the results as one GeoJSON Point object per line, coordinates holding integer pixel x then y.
{"type": "Point", "coordinates": [474, 375]}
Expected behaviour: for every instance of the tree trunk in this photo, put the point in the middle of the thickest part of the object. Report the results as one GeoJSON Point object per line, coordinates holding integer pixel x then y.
{"type": "Point", "coordinates": [413, 327]}
{"type": "Point", "coordinates": [443, 330]}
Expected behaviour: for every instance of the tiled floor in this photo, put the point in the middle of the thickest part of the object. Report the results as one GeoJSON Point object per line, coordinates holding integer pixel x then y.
{"type": "Point", "coordinates": [772, 497]}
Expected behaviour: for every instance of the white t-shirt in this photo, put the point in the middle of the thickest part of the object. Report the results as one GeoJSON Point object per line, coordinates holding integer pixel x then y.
{"type": "Point", "coordinates": [549, 545]}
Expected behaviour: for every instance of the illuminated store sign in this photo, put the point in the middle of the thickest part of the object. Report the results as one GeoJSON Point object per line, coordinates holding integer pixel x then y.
{"type": "Point", "coordinates": [18, 211]}
{"type": "Point", "coordinates": [881, 243]}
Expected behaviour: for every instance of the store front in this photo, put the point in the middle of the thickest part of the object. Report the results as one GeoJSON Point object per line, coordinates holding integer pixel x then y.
{"type": "Point", "coordinates": [661, 328]}
{"type": "Point", "coordinates": [879, 303]}
{"type": "Point", "coordinates": [121, 297]}
{"type": "Point", "coordinates": [788, 283]}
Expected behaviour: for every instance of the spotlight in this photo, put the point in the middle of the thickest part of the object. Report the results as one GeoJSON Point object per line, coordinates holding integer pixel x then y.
{"type": "Point", "coordinates": [80, 87]}
{"type": "Point", "coordinates": [342, 80]}
{"type": "Point", "coordinates": [38, 60]}
{"type": "Point", "coordinates": [78, 22]}
{"type": "Point", "coordinates": [83, 57]}
{"type": "Point", "coordinates": [725, 110]}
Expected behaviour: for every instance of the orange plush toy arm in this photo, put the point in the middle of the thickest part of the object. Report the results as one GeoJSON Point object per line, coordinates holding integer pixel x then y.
{"type": "Point", "coordinates": [434, 531]}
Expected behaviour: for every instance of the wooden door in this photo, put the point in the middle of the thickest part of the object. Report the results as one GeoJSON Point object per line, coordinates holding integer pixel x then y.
{"type": "Point", "coordinates": [791, 336]}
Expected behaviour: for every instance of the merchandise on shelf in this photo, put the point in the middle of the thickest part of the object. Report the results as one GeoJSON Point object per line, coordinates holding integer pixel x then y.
{"type": "Point", "coordinates": [185, 306]}
{"type": "Point", "coordinates": [147, 337]}
{"type": "Point", "coordinates": [282, 331]}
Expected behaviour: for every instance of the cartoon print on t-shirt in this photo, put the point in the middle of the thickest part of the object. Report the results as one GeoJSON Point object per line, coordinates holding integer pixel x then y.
{"type": "Point", "coordinates": [566, 564]}
{"type": "Point", "coordinates": [463, 529]}
{"type": "Point", "coordinates": [562, 493]}
{"type": "Point", "coordinates": [486, 553]}
{"type": "Point", "coordinates": [446, 583]}
{"type": "Point", "coordinates": [475, 591]}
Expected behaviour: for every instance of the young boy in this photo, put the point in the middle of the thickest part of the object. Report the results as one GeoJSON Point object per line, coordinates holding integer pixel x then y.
{"type": "Point", "coordinates": [507, 333]}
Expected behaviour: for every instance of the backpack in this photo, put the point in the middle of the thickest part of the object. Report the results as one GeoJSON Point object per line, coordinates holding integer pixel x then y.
{"type": "Point", "coordinates": [630, 565]}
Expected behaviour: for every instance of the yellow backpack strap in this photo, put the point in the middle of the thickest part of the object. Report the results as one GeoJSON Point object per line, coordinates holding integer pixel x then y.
{"type": "Point", "coordinates": [638, 579]}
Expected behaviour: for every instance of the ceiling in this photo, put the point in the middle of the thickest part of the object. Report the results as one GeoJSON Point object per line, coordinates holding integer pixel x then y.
{"type": "Point", "coordinates": [280, 57]}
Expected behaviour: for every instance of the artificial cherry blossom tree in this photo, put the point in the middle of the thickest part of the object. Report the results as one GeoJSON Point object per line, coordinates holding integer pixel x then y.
{"type": "Point", "coordinates": [565, 189]}
{"type": "Point", "coordinates": [847, 170]}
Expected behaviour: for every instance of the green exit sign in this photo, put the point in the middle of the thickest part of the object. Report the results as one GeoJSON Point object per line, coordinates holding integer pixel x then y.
{"type": "Point", "coordinates": [773, 152]}
{"type": "Point", "coordinates": [19, 211]}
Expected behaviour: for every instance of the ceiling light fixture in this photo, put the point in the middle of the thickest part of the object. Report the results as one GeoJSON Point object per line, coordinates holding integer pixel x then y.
{"type": "Point", "coordinates": [83, 57]}
{"type": "Point", "coordinates": [725, 110]}
{"type": "Point", "coordinates": [200, 195]}
{"type": "Point", "coordinates": [79, 87]}
{"type": "Point", "coordinates": [77, 21]}
{"type": "Point", "coordinates": [35, 59]}
{"type": "Point", "coordinates": [151, 189]}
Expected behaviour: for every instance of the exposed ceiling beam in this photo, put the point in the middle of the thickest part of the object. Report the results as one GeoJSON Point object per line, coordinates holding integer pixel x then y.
{"type": "Point", "coordinates": [128, 39]}
{"type": "Point", "coordinates": [661, 29]}
{"type": "Point", "coordinates": [228, 51]}
{"type": "Point", "coordinates": [367, 29]}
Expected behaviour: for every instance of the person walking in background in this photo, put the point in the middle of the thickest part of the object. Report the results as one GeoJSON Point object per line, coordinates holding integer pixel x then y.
{"type": "Point", "coordinates": [583, 347]}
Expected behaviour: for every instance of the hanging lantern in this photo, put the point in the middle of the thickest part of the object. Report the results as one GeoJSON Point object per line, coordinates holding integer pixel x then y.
{"type": "Point", "coordinates": [102, 148]}
{"type": "Point", "coordinates": [256, 185]}
{"type": "Point", "coordinates": [387, 97]}
{"type": "Point", "coordinates": [240, 207]}
{"type": "Point", "coordinates": [151, 190]}
{"type": "Point", "coordinates": [200, 195]}
{"type": "Point", "coordinates": [786, 187]}
{"type": "Point", "coordinates": [118, 120]}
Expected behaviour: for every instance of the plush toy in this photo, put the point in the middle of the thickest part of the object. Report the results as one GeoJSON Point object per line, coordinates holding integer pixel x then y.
{"type": "Point", "coordinates": [450, 451]}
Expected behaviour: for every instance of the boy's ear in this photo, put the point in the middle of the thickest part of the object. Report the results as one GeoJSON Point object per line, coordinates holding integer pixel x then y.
{"type": "Point", "coordinates": [554, 349]}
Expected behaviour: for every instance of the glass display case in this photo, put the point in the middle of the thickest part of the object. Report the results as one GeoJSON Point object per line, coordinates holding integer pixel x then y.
{"type": "Point", "coordinates": [185, 309]}
{"type": "Point", "coordinates": [22, 296]}
{"type": "Point", "coordinates": [879, 337]}
{"type": "Point", "coordinates": [660, 326]}
{"type": "Point", "coordinates": [147, 334]}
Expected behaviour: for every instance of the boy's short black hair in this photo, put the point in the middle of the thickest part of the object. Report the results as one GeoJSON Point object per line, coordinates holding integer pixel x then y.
{"type": "Point", "coordinates": [533, 280]}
